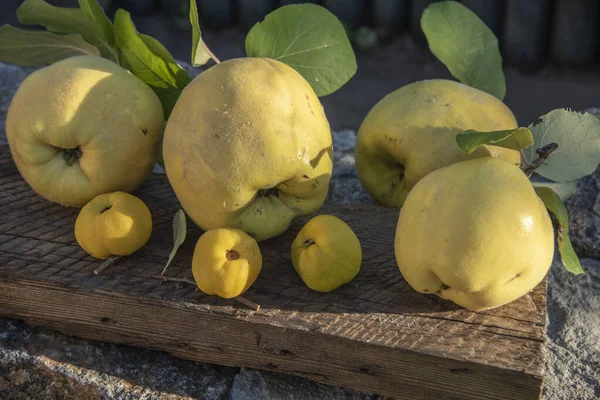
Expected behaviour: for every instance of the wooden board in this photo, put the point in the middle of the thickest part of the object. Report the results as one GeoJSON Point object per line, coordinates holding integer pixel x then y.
{"type": "Point", "coordinates": [375, 334]}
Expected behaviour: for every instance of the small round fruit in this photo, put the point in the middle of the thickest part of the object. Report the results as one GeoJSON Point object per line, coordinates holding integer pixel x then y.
{"type": "Point", "coordinates": [475, 233]}
{"type": "Point", "coordinates": [113, 224]}
{"type": "Point", "coordinates": [226, 262]}
{"type": "Point", "coordinates": [326, 253]}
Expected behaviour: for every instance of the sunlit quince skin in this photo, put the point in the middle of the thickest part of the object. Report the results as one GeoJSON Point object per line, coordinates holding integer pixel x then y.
{"type": "Point", "coordinates": [113, 224]}
{"type": "Point", "coordinates": [475, 233]}
{"type": "Point", "coordinates": [412, 131]}
{"type": "Point", "coordinates": [248, 147]}
{"type": "Point", "coordinates": [84, 126]}
{"type": "Point", "coordinates": [226, 262]}
{"type": "Point", "coordinates": [326, 253]}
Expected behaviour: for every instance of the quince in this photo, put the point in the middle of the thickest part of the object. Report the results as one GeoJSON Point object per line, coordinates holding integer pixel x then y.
{"type": "Point", "coordinates": [412, 131]}
{"type": "Point", "coordinates": [326, 253]}
{"type": "Point", "coordinates": [475, 233]}
{"type": "Point", "coordinates": [226, 262]}
{"type": "Point", "coordinates": [113, 224]}
{"type": "Point", "coordinates": [248, 146]}
{"type": "Point", "coordinates": [81, 127]}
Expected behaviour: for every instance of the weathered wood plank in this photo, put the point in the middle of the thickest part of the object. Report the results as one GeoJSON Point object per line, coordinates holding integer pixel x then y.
{"type": "Point", "coordinates": [374, 334]}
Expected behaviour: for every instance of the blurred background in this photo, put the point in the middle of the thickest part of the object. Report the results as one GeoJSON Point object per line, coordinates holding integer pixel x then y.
{"type": "Point", "coordinates": [550, 47]}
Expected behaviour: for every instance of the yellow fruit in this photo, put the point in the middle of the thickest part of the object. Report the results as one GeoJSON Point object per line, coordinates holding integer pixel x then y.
{"type": "Point", "coordinates": [81, 127]}
{"type": "Point", "coordinates": [476, 233]}
{"type": "Point", "coordinates": [412, 131]}
{"type": "Point", "coordinates": [248, 147]}
{"type": "Point", "coordinates": [113, 224]}
{"type": "Point", "coordinates": [326, 253]}
{"type": "Point", "coordinates": [226, 262]}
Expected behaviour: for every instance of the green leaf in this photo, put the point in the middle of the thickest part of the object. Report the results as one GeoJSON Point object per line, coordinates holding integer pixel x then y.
{"type": "Point", "coordinates": [563, 190]}
{"type": "Point", "coordinates": [36, 48]}
{"type": "Point", "coordinates": [568, 256]}
{"type": "Point", "coordinates": [181, 76]}
{"type": "Point", "coordinates": [200, 55]}
{"type": "Point", "coordinates": [516, 139]}
{"type": "Point", "coordinates": [179, 232]}
{"type": "Point", "coordinates": [466, 46]}
{"type": "Point", "coordinates": [150, 61]}
{"type": "Point", "coordinates": [102, 24]}
{"type": "Point", "coordinates": [578, 139]}
{"type": "Point", "coordinates": [554, 204]}
{"type": "Point", "coordinates": [65, 20]}
{"type": "Point", "coordinates": [308, 38]}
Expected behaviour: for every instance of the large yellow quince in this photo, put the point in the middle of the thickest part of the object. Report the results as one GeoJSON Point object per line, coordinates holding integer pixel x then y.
{"type": "Point", "coordinates": [475, 233]}
{"type": "Point", "coordinates": [81, 127]}
{"type": "Point", "coordinates": [226, 262]}
{"type": "Point", "coordinates": [248, 146]}
{"type": "Point", "coordinates": [412, 131]}
{"type": "Point", "coordinates": [326, 253]}
{"type": "Point", "coordinates": [113, 224]}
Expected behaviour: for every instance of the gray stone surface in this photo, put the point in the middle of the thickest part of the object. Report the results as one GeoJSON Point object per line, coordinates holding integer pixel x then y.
{"type": "Point", "coordinates": [573, 347]}
{"type": "Point", "coordinates": [41, 364]}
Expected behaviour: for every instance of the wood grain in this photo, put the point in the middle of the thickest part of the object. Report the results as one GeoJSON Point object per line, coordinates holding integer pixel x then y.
{"type": "Point", "coordinates": [375, 334]}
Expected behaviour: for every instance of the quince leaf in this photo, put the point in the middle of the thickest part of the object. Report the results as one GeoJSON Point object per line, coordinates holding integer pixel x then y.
{"type": "Point", "coordinates": [65, 20]}
{"type": "Point", "coordinates": [466, 46]}
{"type": "Point", "coordinates": [179, 233]}
{"type": "Point", "coordinates": [578, 138]}
{"type": "Point", "coordinates": [555, 205]}
{"type": "Point", "coordinates": [516, 139]}
{"type": "Point", "coordinates": [308, 38]}
{"type": "Point", "coordinates": [102, 24]}
{"type": "Point", "coordinates": [568, 256]}
{"type": "Point", "coordinates": [35, 48]}
{"type": "Point", "coordinates": [200, 53]}
{"type": "Point", "coordinates": [150, 61]}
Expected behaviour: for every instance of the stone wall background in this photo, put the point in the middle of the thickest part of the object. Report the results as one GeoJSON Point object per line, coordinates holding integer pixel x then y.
{"type": "Point", "coordinates": [531, 33]}
{"type": "Point", "coordinates": [538, 78]}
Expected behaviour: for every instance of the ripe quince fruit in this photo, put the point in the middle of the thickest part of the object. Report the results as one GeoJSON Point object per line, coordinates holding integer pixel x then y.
{"type": "Point", "coordinates": [326, 253]}
{"type": "Point", "coordinates": [475, 233]}
{"type": "Point", "coordinates": [81, 127]}
{"type": "Point", "coordinates": [226, 262]}
{"type": "Point", "coordinates": [113, 224]}
{"type": "Point", "coordinates": [412, 131]}
{"type": "Point", "coordinates": [248, 146]}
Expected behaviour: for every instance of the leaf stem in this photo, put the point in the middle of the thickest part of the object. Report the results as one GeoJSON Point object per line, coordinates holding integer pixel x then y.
{"type": "Point", "coordinates": [247, 303]}
{"type": "Point", "coordinates": [105, 265]}
{"type": "Point", "coordinates": [524, 159]}
{"type": "Point", "coordinates": [543, 154]}
{"type": "Point", "coordinates": [210, 53]}
{"type": "Point", "coordinates": [173, 279]}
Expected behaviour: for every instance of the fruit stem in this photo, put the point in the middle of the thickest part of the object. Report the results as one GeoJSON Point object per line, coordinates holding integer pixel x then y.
{"type": "Point", "coordinates": [106, 264]}
{"type": "Point", "coordinates": [543, 154]}
{"type": "Point", "coordinates": [309, 242]}
{"type": "Point", "coordinates": [231, 255]}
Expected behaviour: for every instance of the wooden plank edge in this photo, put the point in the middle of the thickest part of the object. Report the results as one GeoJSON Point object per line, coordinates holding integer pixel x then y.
{"type": "Point", "coordinates": [226, 340]}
